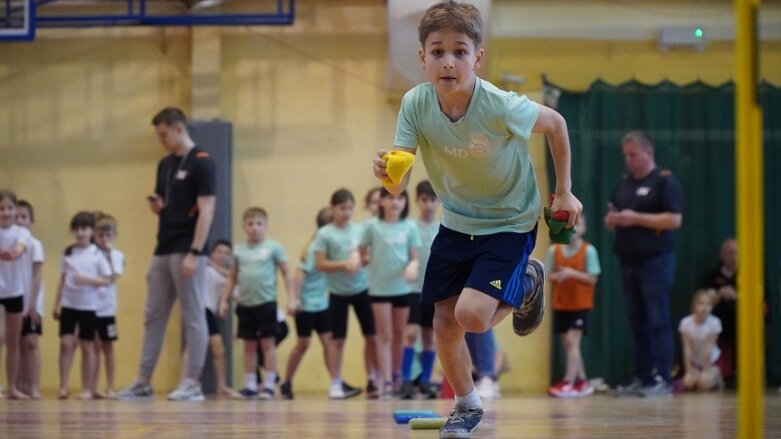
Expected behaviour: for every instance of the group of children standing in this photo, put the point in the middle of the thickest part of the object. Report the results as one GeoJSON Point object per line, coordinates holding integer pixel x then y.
{"type": "Point", "coordinates": [85, 305]}
{"type": "Point", "coordinates": [375, 267]}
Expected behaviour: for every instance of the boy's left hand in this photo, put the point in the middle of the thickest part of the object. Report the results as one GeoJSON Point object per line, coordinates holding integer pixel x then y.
{"type": "Point", "coordinates": [293, 306]}
{"type": "Point", "coordinates": [567, 202]}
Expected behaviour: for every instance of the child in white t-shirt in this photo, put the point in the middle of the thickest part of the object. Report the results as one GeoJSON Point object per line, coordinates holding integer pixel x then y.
{"type": "Point", "coordinates": [28, 379]}
{"type": "Point", "coordinates": [106, 321]}
{"type": "Point", "coordinates": [85, 269]}
{"type": "Point", "coordinates": [699, 332]}
{"type": "Point", "coordinates": [216, 277]}
{"type": "Point", "coordinates": [14, 240]}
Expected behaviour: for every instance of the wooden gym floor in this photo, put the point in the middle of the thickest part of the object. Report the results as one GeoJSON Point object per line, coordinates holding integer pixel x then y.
{"type": "Point", "coordinates": [709, 416]}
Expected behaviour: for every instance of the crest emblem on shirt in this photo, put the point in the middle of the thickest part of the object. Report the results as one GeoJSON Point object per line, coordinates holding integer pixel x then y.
{"type": "Point", "coordinates": [479, 145]}
{"type": "Point", "coordinates": [643, 191]}
{"type": "Point", "coordinates": [181, 174]}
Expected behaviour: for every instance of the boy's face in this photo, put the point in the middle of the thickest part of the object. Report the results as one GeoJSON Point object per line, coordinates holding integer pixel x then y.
{"type": "Point", "coordinates": [703, 307]}
{"type": "Point", "coordinates": [342, 212]}
{"type": "Point", "coordinates": [23, 217]}
{"type": "Point", "coordinates": [450, 61]}
{"type": "Point", "coordinates": [104, 237]}
{"type": "Point", "coordinates": [7, 213]}
{"type": "Point", "coordinates": [427, 205]}
{"type": "Point", "coordinates": [580, 227]}
{"type": "Point", "coordinates": [374, 203]}
{"type": "Point", "coordinates": [82, 235]}
{"type": "Point", "coordinates": [255, 227]}
{"type": "Point", "coordinates": [221, 255]}
{"type": "Point", "coordinates": [393, 204]}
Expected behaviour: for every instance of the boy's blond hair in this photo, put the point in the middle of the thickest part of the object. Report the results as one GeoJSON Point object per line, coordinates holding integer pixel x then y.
{"type": "Point", "coordinates": [459, 17]}
{"type": "Point", "coordinates": [708, 293]}
{"type": "Point", "coordinates": [105, 222]}
{"type": "Point", "coordinates": [255, 211]}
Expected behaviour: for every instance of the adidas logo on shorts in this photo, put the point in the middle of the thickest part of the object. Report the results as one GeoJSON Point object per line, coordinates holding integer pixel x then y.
{"type": "Point", "coordinates": [496, 284]}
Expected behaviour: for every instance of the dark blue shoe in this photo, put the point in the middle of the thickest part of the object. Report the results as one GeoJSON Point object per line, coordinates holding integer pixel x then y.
{"type": "Point", "coordinates": [528, 317]}
{"type": "Point", "coordinates": [249, 394]}
{"type": "Point", "coordinates": [461, 423]}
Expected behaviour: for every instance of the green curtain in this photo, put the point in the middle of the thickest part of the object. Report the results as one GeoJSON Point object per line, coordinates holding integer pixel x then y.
{"type": "Point", "coordinates": [693, 131]}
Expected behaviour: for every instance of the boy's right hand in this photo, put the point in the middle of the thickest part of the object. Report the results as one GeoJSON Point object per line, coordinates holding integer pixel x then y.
{"type": "Point", "coordinates": [56, 314]}
{"type": "Point", "coordinates": [353, 263]}
{"type": "Point", "coordinates": [223, 309]}
{"type": "Point", "coordinates": [380, 166]}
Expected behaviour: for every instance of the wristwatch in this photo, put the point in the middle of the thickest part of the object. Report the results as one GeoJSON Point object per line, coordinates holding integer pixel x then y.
{"type": "Point", "coordinates": [194, 251]}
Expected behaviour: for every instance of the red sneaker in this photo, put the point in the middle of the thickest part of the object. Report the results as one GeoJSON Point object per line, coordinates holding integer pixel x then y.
{"type": "Point", "coordinates": [563, 389]}
{"type": "Point", "coordinates": [584, 388]}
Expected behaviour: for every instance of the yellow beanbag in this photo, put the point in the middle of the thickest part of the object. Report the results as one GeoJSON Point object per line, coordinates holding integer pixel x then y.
{"type": "Point", "coordinates": [399, 163]}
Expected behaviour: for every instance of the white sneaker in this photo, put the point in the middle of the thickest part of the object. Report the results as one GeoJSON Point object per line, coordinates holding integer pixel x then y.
{"type": "Point", "coordinates": [187, 392]}
{"type": "Point", "coordinates": [486, 388]}
{"type": "Point", "coordinates": [336, 391]}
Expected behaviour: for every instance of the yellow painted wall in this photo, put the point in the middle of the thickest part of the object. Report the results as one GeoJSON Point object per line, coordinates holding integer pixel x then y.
{"type": "Point", "coordinates": [308, 108]}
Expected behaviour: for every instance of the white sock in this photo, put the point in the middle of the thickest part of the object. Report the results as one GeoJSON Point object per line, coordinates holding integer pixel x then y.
{"type": "Point", "coordinates": [471, 399]}
{"type": "Point", "coordinates": [189, 382]}
{"type": "Point", "coordinates": [251, 381]}
{"type": "Point", "coordinates": [336, 382]}
{"type": "Point", "coordinates": [270, 380]}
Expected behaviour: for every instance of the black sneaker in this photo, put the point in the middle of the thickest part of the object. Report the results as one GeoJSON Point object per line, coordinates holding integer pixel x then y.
{"type": "Point", "coordinates": [407, 390]}
{"type": "Point", "coordinates": [528, 317]}
{"type": "Point", "coordinates": [372, 392]}
{"type": "Point", "coordinates": [286, 390]}
{"type": "Point", "coordinates": [461, 423]}
{"type": "Point", "coordinates": [350, 391]}
{"type": "Point", "coordinates": [429, 391]}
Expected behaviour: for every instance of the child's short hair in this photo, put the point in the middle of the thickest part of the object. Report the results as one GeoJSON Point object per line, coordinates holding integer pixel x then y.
{"type": "Point", "coordinates": [83, 220]}
{"type": "Point", "coordinates": [342, 196]}
{"type": "Point", "coordinates": [24, 204]}
{"type": "Point", "coordinates": [323, 217]}
{"type": "Point", "coordinates": [425, 188]}
{"type": "Point", "coordinates": [459, 17]}
{"type": "Point", "coordinates": [105, 222]}
{"type": "Point", "coordinates": [708, 293]}
{"type": "Point", "coordinates": [169, 116]}
{"type": "Point", "coordinates": [5, 194]}
{"type": "Point", "coordinates": [385, 193]}
{"type": "Point", "coordinates": [220, 242]}
{"type": "Point", "coordinates": [255, 211]}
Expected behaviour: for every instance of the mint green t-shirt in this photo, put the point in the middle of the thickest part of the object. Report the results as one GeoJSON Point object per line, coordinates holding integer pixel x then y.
{"type": "Point", "coordinates": [257, 265]}
{"type": "Point", "coordinates": [337, 244]}
{"type": "Point", "coordinates": [427, 234]}
{"type": "Point", "coordinates": [389, 246]}
{"type": "Point", "coordinates": [313, 294]}
{"type": "Point", "coordinates": [479, 165]}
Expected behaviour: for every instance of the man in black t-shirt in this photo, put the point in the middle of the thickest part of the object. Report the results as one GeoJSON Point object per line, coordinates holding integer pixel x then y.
{"type": "Point", "coordinates": [184, 200]}
{"type": "Point", "coordinates": [645, 209]}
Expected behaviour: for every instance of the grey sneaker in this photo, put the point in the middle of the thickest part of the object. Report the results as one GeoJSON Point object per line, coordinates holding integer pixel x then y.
{"type": "Point", "coordinates": [633, 389]}
{"type": "Point", "coordinates": [461, 423]}
{"type": "Point", "coordinates": [528, 317]}
{"type": "Point", "coordinates": [136, 392]}
{"type": "Point", "coordinates": [187, 392]}
{"type": "Point", "coordinates": [660, 389]}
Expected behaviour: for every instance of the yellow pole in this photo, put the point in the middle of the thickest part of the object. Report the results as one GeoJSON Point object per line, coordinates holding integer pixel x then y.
{"type": "Point", "coordinates": [750, 218]}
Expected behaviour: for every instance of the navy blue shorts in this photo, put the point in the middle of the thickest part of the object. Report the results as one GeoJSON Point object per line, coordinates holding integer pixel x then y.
{"type": "Point", "coordinates": [492, 264]}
